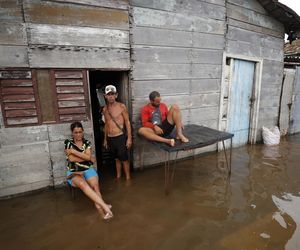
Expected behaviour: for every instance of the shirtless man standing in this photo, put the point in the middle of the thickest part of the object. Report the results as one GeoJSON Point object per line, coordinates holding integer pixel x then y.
{"type": "Point", "coordinates": [116, 119]}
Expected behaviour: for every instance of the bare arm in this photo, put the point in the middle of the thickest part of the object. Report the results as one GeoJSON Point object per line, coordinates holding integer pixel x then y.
{"type": "Point", "coordinates": [126, 120]}
{"type": "Point", "coordinates": [105, 135]}
{"type": "Point", "coordinates": [104, 110]}
{"type": "Point", "coordinates": [127, 125]}
{"type": "Point", "coordinates": [74, 155]}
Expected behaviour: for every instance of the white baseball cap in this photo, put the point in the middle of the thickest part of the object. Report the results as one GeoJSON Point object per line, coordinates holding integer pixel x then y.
{"type": "Point", "coordinates": [110, 88]}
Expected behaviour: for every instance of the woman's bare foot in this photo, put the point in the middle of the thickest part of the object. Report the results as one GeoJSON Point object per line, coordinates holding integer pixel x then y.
{"type": "Point", "coordinates": [182, 138]}
{"type": "Point", "coordinates": [108, 216]}
{"type": "Point", "coordinates": [107, 212]}
{"type": "Point", "coordinates": [107, 208]}
{"type": "Point", "coordinates": [172, 142]}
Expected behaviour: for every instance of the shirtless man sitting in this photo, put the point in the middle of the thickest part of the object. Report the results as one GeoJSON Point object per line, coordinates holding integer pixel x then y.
{"type": "Point", "coordinates": [116, 118]}
{"type": "Point", "coordinates": [158, 122]}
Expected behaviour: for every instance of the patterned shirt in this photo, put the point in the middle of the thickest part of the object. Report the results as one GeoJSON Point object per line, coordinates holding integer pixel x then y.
{"type": "Point", "coordinates": [78, 166]}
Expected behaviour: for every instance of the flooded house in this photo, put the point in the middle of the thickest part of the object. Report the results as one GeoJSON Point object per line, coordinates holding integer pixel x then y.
{"type": "Point", "coordinates": [290, 100]}
{"type": "Point", "coordinates": [207, 56]}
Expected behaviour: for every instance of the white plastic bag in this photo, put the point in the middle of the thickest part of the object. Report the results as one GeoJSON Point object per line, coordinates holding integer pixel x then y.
{"type": "Point", "coordinates": [271, 136]}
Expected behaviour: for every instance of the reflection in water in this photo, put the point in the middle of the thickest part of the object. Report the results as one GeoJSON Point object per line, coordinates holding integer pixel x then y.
{"type": "Point", "coordinates": [205, 209]}
{"type": "Point", "coordinates": [278, 217]}
{"type": "Point", "coordinates": [290, 205]}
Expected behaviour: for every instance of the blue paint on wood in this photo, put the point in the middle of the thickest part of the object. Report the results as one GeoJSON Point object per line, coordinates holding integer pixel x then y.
{"type": "Point", "coordinates": [240, 104]}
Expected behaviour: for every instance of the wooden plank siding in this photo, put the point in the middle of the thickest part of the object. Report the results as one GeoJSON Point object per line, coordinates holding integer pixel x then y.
{"type": "Point", "coordinates": [177, 49]}
{"type": "Point", "coordinates": [295, 114]}
{"type": "Point", "coordinates": [116, 4]}
{"type": "Point", "coordinates": [77, 36]}
{"type": "Point", "coordinates": [253, 33]}
{"type": "Point", "coordinates": [13, 56]}
{"type": "Point", "coordinates": [11, 10]}
{"type": "Point", "coordinates": [176, 21]}
{"type": "Point", "coordinates": [41, 12]}
{"type": "Point", "coordinates": [71, 35]}
{"type": "Point", "coordinates": [78, 57]}
{"type": "Point", "coordinates": [247, 15]}
{"type": "Point", "coordinates": [65, 34]}
{"type": "Point", "coordinates": [13, 41]}
{"type": "Point", "coordinates": [12, 34]}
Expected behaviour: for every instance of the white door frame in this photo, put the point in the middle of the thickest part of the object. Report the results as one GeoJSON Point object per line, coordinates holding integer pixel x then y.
{"type": "Point", "coordinates": [254, 112]}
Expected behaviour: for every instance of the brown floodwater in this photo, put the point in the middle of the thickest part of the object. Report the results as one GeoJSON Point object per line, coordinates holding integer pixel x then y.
{"type": "Point", "coordinates": [257, 208]}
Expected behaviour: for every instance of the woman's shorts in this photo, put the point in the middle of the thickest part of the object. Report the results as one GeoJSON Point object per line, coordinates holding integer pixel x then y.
{"type": "Point", "coordinates": [87, 174]}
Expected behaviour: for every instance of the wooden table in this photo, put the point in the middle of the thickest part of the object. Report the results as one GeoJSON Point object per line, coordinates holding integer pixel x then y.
{"type": "Point", "coordinates": [199, 137]}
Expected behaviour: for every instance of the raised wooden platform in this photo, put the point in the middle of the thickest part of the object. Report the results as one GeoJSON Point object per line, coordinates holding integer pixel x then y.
{"type": "Point", "coordinates": [199, 136]}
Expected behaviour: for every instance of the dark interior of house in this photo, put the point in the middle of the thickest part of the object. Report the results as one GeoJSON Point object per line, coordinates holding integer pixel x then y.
{"type": "Point", "coordinates": [97, 82]}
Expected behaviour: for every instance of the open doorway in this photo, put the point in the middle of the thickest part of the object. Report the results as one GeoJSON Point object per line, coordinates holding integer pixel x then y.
{"type": "Point", "coordinates": [97, 81]}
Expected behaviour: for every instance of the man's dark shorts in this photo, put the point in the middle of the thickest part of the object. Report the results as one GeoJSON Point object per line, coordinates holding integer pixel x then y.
{"type": "Point", "coordinates": [167, 127]}
{"type": "Point", "coordinates": [117, 146]}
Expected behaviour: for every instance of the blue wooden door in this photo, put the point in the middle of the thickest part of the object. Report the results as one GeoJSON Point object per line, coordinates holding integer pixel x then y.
{"type": "Point", "coordinates": [240, 101]}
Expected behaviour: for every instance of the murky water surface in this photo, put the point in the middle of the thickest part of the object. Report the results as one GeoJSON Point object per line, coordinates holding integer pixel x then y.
{"type": "Point", "coordinates": [258, 208]}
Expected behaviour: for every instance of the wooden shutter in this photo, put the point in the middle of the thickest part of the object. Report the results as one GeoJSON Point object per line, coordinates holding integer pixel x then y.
{"type": "Point", "coordinates": [72, 95]}
{"type": "Point", "coordinates": [18, 98]}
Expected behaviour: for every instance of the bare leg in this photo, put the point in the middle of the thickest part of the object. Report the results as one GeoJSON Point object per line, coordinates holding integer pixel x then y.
{"type": "Point", "coordinates": [94, 184]}
{"type": "Point", "coordinates": [126, 169]}
{"type": "Point", "coordinates": [118, 168]}
{"type": "Point", "coordinates": [149, 134]}
{"type": "Point", "coordinates": [174, 117]}
{"type": "Point", "coordinates": [80, 182]}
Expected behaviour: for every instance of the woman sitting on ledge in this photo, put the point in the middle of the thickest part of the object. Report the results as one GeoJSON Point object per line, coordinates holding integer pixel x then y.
{"type": "Point", "coordinates": [80, 172]}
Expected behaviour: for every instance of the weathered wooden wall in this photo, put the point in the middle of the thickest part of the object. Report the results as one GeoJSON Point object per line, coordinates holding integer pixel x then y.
{"type": "Point", "coordinates": [174, 46]}
{"type": "Point", "coordinates": [177, 49]}
{"type": "Point", "coordinates": [54, 34]}
{"type": "Point", "coordinates": [295, 114]}
{"type": "Point", "coordinates": [64, 34]}
{"type": "Point", "coordinates": [32, 157]}
{"type": "Point", "coordinates": [286, 100]}
{"type": "Point", "coordinates": [13, 38]}
{"type": "Point", "coordinates": [252, 32]}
